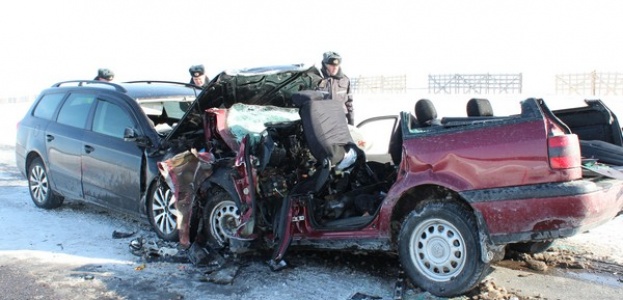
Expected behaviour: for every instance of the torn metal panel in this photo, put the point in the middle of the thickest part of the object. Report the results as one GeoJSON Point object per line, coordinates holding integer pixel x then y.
{"type": "Point", "coordinates": [183, 173]}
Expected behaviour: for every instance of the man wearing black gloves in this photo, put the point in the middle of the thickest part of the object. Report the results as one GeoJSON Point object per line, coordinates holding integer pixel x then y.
{"type": "Point", "coordinates": [337, 84]}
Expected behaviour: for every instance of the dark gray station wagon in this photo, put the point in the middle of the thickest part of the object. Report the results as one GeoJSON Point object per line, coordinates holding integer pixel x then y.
{"type": "Point", "coordinates": [98, 142]}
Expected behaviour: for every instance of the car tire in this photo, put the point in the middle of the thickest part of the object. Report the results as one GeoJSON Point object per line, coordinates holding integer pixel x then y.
{"type": "Point", "coordinates": [439, 249]}
{"type": "Point", "coordinates": [221, 217]}
{"type": "Point", "coordinates": [41, 191]}
{"type": "Point", "coordinates": [161, 211]}
{"type": "Point", "coordinates": [531, 247]}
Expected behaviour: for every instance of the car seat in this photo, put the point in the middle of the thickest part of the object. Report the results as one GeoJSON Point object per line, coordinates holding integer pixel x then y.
{"type": "Point", "coordinates": [425, 113]}
{"type": "Point", "coordinates": [326, 131]}
{"type": "Point", "coordinates": [396, 139]}
{"type": "Point", "coordinates": [479, 108]}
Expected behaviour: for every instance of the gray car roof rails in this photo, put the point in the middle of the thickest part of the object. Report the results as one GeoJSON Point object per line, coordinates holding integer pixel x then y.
{"type": "Point", "coordinates": [186, 84]}
{"type": "Point", "coordinates": [117, 87]}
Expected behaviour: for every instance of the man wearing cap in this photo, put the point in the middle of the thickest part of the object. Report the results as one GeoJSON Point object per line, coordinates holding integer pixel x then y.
{"type": "Point", "coordinates": [197, 76]}
{"type": "Point", "coordinates": [336, 83]}
{"type": "Point", "coordinates": [104, 74]}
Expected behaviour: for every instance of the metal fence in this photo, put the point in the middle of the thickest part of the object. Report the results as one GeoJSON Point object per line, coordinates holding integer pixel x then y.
{"type": "Point", "coordinates": [475, 83]}
{"type": "Point", "coordinates": [593, 83]}
{"type": "Point", "coordinates": [19, 99]}
{"type": "Point", "coordinates": [379, 84]}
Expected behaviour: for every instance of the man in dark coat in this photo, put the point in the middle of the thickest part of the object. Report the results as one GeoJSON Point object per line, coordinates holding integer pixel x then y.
{"type": "Point", "coordinates": [197, 76]}
{"type": "Point", "coordinates": [337, 84]}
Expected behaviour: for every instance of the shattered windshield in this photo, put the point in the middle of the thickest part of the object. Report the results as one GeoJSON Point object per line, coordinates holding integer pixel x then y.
{"type": "Point", "coordinates": [243, 119]}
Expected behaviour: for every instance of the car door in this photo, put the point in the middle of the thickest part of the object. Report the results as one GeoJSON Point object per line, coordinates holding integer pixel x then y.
{"type": "Point", "coordinates": [64, 143]}
{"type": "Point", "coordinates": [111, 167]}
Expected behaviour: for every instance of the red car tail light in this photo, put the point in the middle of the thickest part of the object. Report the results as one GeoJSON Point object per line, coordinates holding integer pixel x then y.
{"type": "Point", "coordinates": [564, 151]}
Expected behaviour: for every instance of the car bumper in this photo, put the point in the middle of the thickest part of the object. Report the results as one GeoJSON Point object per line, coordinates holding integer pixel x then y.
{"type": "Point", "coordinates": [546, 211]}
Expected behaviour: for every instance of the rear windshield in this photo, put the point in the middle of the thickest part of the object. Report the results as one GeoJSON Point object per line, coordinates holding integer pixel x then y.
{"type": "Point", "coordinates": [47, 105]}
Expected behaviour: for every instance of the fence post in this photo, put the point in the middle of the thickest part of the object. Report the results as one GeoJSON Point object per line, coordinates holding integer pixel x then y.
{"type": "Point", "coordinates": [593, 82]}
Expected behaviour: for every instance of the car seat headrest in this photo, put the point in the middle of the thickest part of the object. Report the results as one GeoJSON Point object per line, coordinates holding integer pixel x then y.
{"type": "Point", "coordinates": [479, 108]}
{"type": "Point", "coordinates": [425, 112]}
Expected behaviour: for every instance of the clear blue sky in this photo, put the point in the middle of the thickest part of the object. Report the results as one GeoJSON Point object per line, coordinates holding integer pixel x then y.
{"type": "Point", "coordinates": [48, 41]}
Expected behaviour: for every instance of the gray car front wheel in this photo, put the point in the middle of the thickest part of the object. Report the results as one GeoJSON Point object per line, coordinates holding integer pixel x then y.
{"type": "Point", "coordinates": [162, 212]}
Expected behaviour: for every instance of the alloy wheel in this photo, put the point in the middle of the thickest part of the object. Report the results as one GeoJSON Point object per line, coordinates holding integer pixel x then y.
{"type": "Point", "coordinates": [38, 183]}
{"type": "Point", "coordinates": [164, 212]}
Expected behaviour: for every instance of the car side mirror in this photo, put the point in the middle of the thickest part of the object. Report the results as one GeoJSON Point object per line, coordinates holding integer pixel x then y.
{"type": "Point", "coordinates": [131, 135]}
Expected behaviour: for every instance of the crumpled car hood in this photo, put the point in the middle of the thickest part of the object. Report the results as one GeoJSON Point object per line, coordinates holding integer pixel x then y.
{"type": "Point", "coordinates": [258, 86]}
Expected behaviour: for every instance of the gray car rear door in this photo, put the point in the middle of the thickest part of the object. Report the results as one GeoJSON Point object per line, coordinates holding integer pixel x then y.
{"type": "Point", "coordinates": [64, 143]}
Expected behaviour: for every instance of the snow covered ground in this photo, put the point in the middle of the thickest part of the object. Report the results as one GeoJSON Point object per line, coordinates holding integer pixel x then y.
{"type": "Point", "coordinates": [69, 253]}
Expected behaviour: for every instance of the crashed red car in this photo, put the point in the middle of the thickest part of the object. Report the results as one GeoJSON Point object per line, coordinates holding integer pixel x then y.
{"type": "Point", "coordinates": [252, 165]}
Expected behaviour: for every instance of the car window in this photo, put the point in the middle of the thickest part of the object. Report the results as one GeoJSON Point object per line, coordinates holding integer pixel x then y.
{"type": "Point", "coordinates": [110, 119]}
{"type": "Point", "coordinates": [75, 110]}
{"type": "Point", "coordinates": [47, 105]}
{"type": "Point", "coordinates": [176, 109]}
